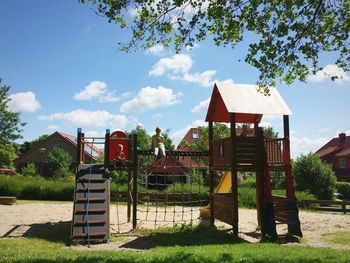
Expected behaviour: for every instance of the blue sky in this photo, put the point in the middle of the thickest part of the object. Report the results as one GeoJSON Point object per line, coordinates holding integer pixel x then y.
{"type": "Point", "coordinates": [65, 70]}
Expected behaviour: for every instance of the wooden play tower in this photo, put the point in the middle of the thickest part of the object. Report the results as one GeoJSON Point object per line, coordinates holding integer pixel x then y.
{"type": "Point", "coordinates": [238, 103]}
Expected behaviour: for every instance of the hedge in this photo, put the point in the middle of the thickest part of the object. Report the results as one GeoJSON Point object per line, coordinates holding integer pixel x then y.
{"type": "Point", "coordinates": [343, 188]}
{"type": "Point", "coordinates": [39, 188]}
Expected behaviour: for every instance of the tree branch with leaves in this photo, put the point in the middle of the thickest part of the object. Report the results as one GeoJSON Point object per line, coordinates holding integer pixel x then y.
{"type": "Point", "coordinates": [289, 36]}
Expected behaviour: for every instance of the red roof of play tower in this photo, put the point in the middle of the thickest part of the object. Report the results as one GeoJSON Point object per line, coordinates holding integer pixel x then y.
{"type": "Point", "coordinates": [168, 165]}
{"type": "Point", "coordinates": [244, 100]}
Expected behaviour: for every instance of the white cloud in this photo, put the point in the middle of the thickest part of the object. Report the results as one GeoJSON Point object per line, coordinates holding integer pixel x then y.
{"type": "Point", "coordinates": [157, 50]}
{"type": "Point", "coordinates": [329, 71]}
{"type": "Point", "coordinates": [134, 12]}
{"type": "Point", "coordinates": [204, 79]}
{"type": "Point", "coordinates": [149, 98]}
{"type": "Point", "coordinates": [202, 106]}
{"type": "Point", "coordinates": [52, 127]}
{"type": "Point", "coordinates": [157, 115]}
{"type": "Point", "coordinates": [179, 63]}
{"type": "Point", "coordinates": [96, 90]}
{"type": "Point", "coordinates": [178, 67]}
{"type": "Point", "coordinates": [227, 81]}
{"type": "Point", "coordinates": [323, 129]}
{"type": "Point", "coordinates": [305, 145]}
{"type": "Point", "coordinates": [23, 102]}
{"type": "Point", "coordinates": [84, 118]}
{"type": "Point", "coordinates": [178, 135]}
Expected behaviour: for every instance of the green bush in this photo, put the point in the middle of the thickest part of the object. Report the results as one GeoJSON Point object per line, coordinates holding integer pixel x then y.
{"type": "Point", "coordinates": [119, 177]}
{"type": "Point", "coordinates": [7, 155]}
{"type": "Point", "coordinates": [249, 182]}
{"type": "Point", "coordinates": [29, 170]}
{"type": "Point", "coordinates": [314, 176]}
{"type": "Point", "coordinates": [197, 177]}
{"type": "Point", "coordinates": [186, 188]}
{"type": "Point", "coordinates": [59, 161]}
{"type": "Point", "coordinates": [277, 181]}
{"type": "Point", "coordinates": [246, 197]}
{"type": "Point", "coordinates": [344, 188]}
{"type": "Point", "coordinates": [37, 188]}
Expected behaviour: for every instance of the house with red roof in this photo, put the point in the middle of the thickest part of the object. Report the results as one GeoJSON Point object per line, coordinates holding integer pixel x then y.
{"type": "Point", "coordinates": [38, 154]}
{"type": "Point", "coordinates": [192, 136]}
{"type": "Point", "coordinates": [337, 153]}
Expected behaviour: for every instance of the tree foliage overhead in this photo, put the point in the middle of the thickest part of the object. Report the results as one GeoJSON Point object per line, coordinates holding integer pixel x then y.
{"type": "Point", "coordinates": [10, 123]}
{"type": "Point", "coordinates": [289, 35]}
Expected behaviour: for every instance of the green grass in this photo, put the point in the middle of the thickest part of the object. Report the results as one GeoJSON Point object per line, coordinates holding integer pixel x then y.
{"type": "Point", "coordinates": [182, 244]}
{"type": "Point", "coordinates": [342, 238]}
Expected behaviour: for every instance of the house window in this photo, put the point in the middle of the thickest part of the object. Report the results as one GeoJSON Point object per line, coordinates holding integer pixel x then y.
{"type": "Point", "coordinates": [195, 135]}
{"type": "Point", "coordinates": [342, 163]}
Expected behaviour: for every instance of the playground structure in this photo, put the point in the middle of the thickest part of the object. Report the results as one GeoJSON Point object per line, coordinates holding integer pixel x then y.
{"type": "Point", "coordinates": [230, 103]}
{"type": "Point", "coordinates": [235, 103]}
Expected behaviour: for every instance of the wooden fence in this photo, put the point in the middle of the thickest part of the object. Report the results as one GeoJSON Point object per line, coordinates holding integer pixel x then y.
{"type": "Point", "coordinates": [326, 205]}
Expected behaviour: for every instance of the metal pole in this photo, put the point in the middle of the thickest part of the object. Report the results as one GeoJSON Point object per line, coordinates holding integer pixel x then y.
{"type": "Point", "coordinates": [134, 182]}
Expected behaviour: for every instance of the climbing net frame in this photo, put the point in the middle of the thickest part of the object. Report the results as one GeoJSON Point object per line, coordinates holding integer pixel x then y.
{"type": "Point", "coordinates": [170, 191]}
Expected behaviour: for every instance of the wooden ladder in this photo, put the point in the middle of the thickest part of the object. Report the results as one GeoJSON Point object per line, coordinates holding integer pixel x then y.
{"type": "Point", "coordinates": [91, 204]}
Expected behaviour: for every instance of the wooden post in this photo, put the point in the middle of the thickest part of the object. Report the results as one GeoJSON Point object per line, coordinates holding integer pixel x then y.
{"type": "Point", "coordinates": [211, 172]}
{"type": "Point", "coordinates": [107, 148]}
{"type": "Point", "coordinates": [256, 127]}
{"type": "Point", "coordinates": [290, 191]}
{"type": "Point", "coordinates": [234, 174]}
{"type": "Point", "coordinates": [79, 148]}
{"type": "Point", "coordinates": [134, 180]}
{"type": "Point", "coordinates": [260, 184]}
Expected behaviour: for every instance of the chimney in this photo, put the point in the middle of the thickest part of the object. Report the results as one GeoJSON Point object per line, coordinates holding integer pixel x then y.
{"type": "Point", "coordinates": [342, 138]}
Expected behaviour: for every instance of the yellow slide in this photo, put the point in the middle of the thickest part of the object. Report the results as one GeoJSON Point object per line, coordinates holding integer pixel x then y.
{"type": "Point", "coordinates": [223, 187]}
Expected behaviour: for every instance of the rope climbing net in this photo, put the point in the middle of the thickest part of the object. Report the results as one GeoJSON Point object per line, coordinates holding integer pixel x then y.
{"type": "Point", "coordinates": [171, 190]}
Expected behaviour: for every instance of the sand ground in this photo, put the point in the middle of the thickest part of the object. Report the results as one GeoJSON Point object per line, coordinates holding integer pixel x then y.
{"type": "Point", "coordinates": [27, 218]}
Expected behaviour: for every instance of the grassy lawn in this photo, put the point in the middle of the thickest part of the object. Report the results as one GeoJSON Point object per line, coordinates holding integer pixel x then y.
{"type": "Point", "coordinates": [182, 244]}
{"type": "Point", "coordinates": [342, 238]}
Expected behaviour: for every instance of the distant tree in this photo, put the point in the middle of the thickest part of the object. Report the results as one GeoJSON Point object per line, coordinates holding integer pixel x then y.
{"type": "Point", "coordinates": [220, 130]}
{"type": "Point", "coordinates": [168, 141]}
{"type": "Point", "coordinates": [7, 155]}
{"type": "Point", "coordinates": [143, 139]}
{"type": "Point", "coordinates": [10, 123]}
{"type": "Point", "coordinates": [284, 38]}
{"type": "Point", "coordinates": [58, 163]}
{"type": "Point", "coordinates": [270, 132]}
{"type": "Point", "coordinates": [27, 145]}
{"type": "Point", "coordinates": [29, 170]}
{"type": "Point", "coordinates": [314, 176]}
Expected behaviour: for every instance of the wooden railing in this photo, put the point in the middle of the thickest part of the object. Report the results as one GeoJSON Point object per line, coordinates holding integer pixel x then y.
{"type": "Point", "coordinates": [275, 150]}
{"type": "Point", "coordinates": [246, 151]}
{"type": "Point", "coordinates": [326, 205]}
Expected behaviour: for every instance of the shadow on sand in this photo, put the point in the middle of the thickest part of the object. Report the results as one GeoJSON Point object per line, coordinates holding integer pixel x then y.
{"type": "Point", "coordinates": [55, 232]}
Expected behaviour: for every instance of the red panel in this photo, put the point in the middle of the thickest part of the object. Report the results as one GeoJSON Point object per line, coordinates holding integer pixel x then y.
{"type": "Point", "coordinates": [118, 137]}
